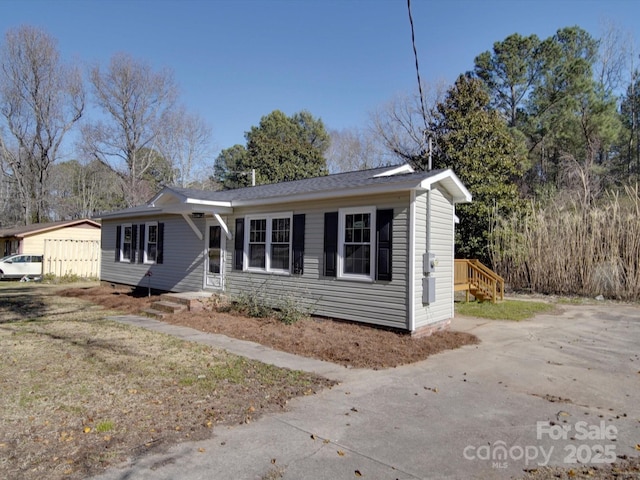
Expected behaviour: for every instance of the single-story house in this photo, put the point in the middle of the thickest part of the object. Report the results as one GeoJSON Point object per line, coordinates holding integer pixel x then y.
{"type": "Point", "coordinates": [67, 247]}
{"type": "Point", "coordinates": [372, 246]}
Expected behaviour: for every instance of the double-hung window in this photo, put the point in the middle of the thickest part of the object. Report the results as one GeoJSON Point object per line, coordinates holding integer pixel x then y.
{"type": "Point", "coordinates": [151, 243]}
{"type": "Point", "coordinates": [126, 243]}
{"type": "Point", "coordinates": [258, 243]}
{"type": "Point", "coordinates": [268, 244]}
{"type": "Point", "coordinates": [356, 243]}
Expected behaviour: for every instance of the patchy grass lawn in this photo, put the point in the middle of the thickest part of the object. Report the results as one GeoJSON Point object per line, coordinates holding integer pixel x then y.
{"type": "Point", "coordinates": [507, 310]}
{"type": "Point", "coordinates": [80, 393]}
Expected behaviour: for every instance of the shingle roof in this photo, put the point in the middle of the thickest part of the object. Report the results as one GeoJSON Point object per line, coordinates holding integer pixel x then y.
{"type": "Point", "coordinates": [394, 178]}
{"type": "Point", "coordinates": [23, 230]}
{"type": "Point", "coordinates": [336, 182]}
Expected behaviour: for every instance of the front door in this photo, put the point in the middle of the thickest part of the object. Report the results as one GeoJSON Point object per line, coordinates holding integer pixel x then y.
{"type": "Point", "coordinates": [214, 258]}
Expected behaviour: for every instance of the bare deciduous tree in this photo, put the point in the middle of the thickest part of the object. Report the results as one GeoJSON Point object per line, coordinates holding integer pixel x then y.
{"type": "Point", "coordinates": [401, 127]}
{"type": "Point", "coordinates": [353, 149]}
{"type": "Point", "coordinates": [186, 142]}
{"type": "Point", "coordinates": [80, 191]}
{"type": "Point", "coordinates": [615, 50]}
{"type": "Point", "coordinates": [40, 100]}
{"type": "Point", "coordinates": [134, 100]}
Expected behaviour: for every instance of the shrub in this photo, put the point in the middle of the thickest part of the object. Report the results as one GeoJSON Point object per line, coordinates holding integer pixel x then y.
{"type": "Point", "coordinates": [258, 303]}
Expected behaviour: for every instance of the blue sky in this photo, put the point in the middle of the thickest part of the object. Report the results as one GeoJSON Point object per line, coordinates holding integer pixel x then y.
{"type": "Point", "coordinates": [236, 61]}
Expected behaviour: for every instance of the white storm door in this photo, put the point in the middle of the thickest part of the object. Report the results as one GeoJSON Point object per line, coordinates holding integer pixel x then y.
{"type": "Point", "coordinates": [214, 256]}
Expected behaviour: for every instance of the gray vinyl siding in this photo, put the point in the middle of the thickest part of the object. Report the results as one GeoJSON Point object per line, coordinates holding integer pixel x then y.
{"type": "Point", "coordinates": [379, 303]}
{"type": "Point", "coordinates": [438, 239]}
{"type": "Point", "coordinates": [182, 269]}
{"type": "Point", "coordinates": [384, 303]}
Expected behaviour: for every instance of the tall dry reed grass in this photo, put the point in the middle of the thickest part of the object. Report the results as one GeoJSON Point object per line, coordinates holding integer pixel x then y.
{"type": "Point", "coordinates": [573, 248]}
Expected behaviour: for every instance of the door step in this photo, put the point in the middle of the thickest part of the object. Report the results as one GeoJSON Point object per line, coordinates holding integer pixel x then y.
{"type": "Point", "coordinates": [171, 303]}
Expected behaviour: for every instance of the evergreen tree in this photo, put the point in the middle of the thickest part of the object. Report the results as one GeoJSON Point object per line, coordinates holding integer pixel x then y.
{"type": "Point", "coordinates": [475, 142]}
{"type": "Point", "coordinates": [279, 149]}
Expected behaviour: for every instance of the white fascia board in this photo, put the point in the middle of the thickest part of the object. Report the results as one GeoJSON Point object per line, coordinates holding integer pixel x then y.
{"type": "Point", "coordinates": [209, 203]}
{"type": "Point", "coordinates": [451, 183]}
{"type": "Point", "coordinates": [406, 168]}
{"type": "Point", "coordinates": [138, 213]}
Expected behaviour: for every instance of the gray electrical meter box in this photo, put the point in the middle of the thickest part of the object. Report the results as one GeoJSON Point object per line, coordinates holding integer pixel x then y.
{"type": "Point", "coordinates": [428, 290]}
{"type": "Point", "coordinates": [429, 263]}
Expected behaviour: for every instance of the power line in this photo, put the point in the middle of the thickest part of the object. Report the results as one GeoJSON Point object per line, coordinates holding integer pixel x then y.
{"type": "Point", "coordinates": [424, 113]}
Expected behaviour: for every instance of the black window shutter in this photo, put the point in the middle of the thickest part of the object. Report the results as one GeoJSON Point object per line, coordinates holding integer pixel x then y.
{"type": "Point", "coordinates": [298, 244]}
{"type": "Point", "coordinates": [384, 227]}
{"type": "Point", "coordinates": [160, 244]}
{"type": "Point", "coordinates": [118, 240]}
{"type": "Point", "coordinates": [141, 243]}
{"type": "Point", "coordinates": [330, 244]}
{"type": "Point", "coordinates": [239, 244]}
{"type": "Point", "coordinates": [134, 243]}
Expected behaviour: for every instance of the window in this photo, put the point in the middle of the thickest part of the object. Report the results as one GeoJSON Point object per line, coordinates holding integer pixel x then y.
{"type": "Point", "coordinates": [258, 243]}
{"type": "Point", "coordinates": [356, 246]}
{"type": "Point", "coordinates": [280, 243]}
{"type": "Point", "coordinates": [151, 243]}
{"type": "Point", "coordinates": [140, 243]}
{"type": "Point", "coordinates": [126, 243]}
{"type": "Point", "coordinates": [353, 238]}
{"type": "Point", "coordinates": [269, 243]}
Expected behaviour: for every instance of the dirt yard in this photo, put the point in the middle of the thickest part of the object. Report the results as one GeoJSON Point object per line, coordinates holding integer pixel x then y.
{"type": "Point", "coordinates": [348, 344]}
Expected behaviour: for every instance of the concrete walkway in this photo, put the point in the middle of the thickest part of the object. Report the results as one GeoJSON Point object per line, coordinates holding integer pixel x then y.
{"type": "Point", "coordinates": [244, 348]}
{"type": "Point", "coordinates": [522, 398]}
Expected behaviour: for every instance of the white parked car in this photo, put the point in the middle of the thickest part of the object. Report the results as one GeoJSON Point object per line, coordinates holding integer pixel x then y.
{"type": "Point", "coordinates": [21, 266]}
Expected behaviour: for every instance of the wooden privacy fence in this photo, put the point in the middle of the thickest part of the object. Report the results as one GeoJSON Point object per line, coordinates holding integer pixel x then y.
{"type": "Point", "coordinates": [71, 257]}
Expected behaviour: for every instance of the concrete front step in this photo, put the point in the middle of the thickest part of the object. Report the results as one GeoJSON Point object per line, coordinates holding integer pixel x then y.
{"type": "Point", "coordinates": [192, 300]}
{"type": "Point", "coordinates": [153, 313]}
{"type": "Point", "coordinates": [169, 307]}
{"type": "Point", "coordinates": [171, 303]}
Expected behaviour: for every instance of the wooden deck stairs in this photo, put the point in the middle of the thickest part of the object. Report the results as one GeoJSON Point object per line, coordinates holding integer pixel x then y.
{"type": "Point", "coordinates": [474, 278]}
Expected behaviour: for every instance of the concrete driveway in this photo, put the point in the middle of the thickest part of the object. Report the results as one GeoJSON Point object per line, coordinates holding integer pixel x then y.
{"type": "Point", "coordinates": [555, 389]}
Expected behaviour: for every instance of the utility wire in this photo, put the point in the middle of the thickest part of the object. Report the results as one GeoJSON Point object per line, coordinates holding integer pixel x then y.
{"type": "Point", "coordinates": [415, 54]}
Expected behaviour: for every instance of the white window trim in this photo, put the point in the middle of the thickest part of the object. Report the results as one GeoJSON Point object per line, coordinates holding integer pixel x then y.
{"type": "Point", "coordinates": [146, 242]}
{"type": "Point", "coordinates": [122, 229]}
{"type": "Point", "coordinates": [342, 213]}
{"type": "Point", "coordinates": [268, 217]}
